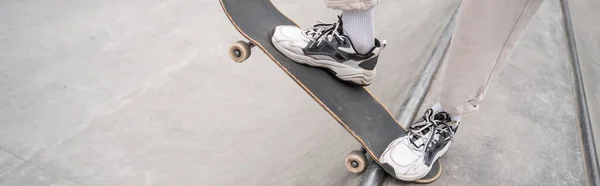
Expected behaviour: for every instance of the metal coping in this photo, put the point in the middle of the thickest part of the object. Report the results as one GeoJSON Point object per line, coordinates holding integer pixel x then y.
{"type": "Point", "coordinates": [590, 158]}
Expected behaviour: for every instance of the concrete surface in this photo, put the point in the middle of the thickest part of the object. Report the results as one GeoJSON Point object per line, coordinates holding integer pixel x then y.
{"type": "Point", "coordinates": [584, 15]}
{"type": "Point", "coordinates": [144, 93]}
{"type": "Point", "coordinates": [526, 131]}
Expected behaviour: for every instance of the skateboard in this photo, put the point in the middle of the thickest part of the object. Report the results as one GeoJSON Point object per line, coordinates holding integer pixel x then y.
{"type": "Point", "coordinates": [352, 106]}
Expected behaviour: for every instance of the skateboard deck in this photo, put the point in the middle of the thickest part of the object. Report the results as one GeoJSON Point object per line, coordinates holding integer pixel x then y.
{"type": "Point", "coordinates": [353, 107]}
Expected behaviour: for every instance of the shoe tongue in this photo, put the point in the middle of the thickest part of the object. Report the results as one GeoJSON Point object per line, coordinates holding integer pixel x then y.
{"type": "Point", "coordinates": [442, 116]}
{"type": "Point", "coordinates": [446, 119]}
{"type": "Point", "coordinates": [420, 140]}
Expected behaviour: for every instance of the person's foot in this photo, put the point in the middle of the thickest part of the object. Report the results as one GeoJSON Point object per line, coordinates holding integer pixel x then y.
{"type": "Point", "coordinates": [411, 156]}
{"type": "Point", "coordinates": [325, 46]}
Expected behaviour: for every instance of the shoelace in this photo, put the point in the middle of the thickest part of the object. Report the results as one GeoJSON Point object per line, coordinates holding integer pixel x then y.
{"type": "Point", "coordinates": [444, 130]}
{"type": "Point", "coordinates": [323, 30]}
{"type": "Point", "coordinates": [421, 130]}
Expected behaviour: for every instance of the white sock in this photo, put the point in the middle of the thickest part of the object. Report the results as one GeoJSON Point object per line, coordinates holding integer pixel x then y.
{"type": "Point", "coordinates": [437, 107]}
{"type": "Point", "coordinates": [455, 118]}
{"type": "Point", "coordinates": [359, 26]}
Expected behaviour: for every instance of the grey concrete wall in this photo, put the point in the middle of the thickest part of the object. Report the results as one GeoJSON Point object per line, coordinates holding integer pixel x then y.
{"type": "Point", "coordinates": [584, 16]}
{"type": "Point", "coordinates": [144, 93]}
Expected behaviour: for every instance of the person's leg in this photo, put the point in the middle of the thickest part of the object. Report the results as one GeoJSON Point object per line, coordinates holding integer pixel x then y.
{"type": "Point", "coordinates": [347, 47]}
{"type": "Point", "coordinates": [485, 35]}
{"type": "Point", "coordinates": [359, 26]}
{"type": "Point", "coordinates": [359, 22]}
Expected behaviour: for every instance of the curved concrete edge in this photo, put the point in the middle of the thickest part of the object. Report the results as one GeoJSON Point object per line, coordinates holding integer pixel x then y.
{"type": "Point", "coordinates": [373, 176]}
{"type": "Point", "coordinates": [587, 139]}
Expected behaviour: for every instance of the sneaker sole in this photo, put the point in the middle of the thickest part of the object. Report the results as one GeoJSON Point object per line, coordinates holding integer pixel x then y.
{"type": "Point", "coordinates": [343, 72]}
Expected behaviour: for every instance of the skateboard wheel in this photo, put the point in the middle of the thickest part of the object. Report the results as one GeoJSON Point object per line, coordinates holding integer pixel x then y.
{"type": "Point", "coordinates": [239, 51]}
{"type": "Point", "coordinates": [356, 162]}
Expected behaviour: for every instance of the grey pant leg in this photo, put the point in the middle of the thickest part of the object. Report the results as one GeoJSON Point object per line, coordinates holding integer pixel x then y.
{"type": "Point", "coordinates": [486, 33]}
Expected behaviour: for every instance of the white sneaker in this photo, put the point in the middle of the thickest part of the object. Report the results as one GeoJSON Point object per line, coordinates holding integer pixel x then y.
{"type": "Point", "coordinates": [411, 156]}
{"type": "Point", "coordinates": [325, 46]}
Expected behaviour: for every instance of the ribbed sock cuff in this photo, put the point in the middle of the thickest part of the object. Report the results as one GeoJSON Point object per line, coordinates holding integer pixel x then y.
{"type": "Point", "coordinates": [359, 26]}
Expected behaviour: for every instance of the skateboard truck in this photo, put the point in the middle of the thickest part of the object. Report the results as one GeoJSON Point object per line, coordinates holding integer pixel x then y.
{"type": "Point", "coordinates": [240, 51]}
